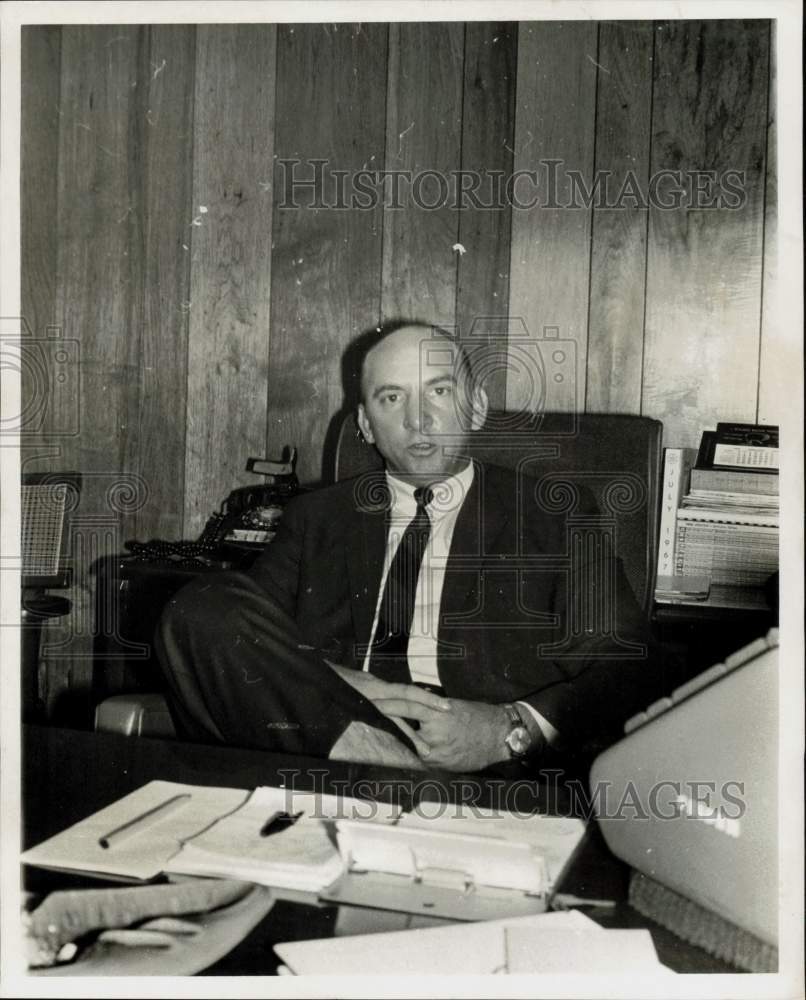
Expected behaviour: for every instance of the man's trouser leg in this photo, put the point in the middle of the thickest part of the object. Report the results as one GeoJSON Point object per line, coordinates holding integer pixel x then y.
{"type": "Point", "coordinates": [238, 673]}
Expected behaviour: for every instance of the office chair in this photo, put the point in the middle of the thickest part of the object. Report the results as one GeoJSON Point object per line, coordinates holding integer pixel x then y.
{"type": "Point", "coordinates": [617, 457]}
{"type": "Point", "coordinates": [47, 499]}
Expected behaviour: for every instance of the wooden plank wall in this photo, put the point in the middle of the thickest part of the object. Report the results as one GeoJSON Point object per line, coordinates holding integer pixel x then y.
{"type": "Point", "coordinates": [551, 245]}
{"type": "Point", "coordinates": [212, 315]}
{"type": "Point", "coordinates": [704, 269]}
{"type": "Point", "coordinates": [619, 235]}
{"type": "Point", "coordinates": [326, 286]}
{"type": "Point", "coordinates": [227, 239]}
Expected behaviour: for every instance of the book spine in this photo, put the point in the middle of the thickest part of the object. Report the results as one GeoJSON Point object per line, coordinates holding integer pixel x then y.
{"type": "Point", "coordinates": [722, 480]}
{"type": "Point", "coordinates": [676, 464]}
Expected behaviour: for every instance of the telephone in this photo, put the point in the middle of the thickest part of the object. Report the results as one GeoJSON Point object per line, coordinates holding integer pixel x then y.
{"type": "Point", "coordinates": [246, 521]}
{"type": "Point", "coordinates": [250, 514]}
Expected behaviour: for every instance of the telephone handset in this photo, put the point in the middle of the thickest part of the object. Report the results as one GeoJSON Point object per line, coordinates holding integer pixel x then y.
{"type": "Point", "coordinates": [245, 523]}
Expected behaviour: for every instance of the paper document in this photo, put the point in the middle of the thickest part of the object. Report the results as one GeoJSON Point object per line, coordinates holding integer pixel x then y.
{"type": "Point", "coordinates": [575, 950]}
{"type": "Point", "coordinates": [146, 849]}
{"type": "Point", "coordinates": [461, 949]}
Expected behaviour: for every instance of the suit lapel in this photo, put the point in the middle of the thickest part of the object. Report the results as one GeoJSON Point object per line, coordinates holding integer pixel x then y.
{"type": "Point", "coordinates": [365, 547]}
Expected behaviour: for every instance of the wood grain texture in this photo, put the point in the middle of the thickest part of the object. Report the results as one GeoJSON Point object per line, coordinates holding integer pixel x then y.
{"type": "Point", "coordinates": [39, 151]}
{"type": "Point", "coordinates": [704, 265]}
{"type": "Point", "coordinates": [488, 127]}
{"type": "Point", "coordinates": [94, 267]}
{"type": "Point", "coordinates": [326, 267]}
{"type": "Point", "coordinates": [96, 279]}
{"type": "Point", "coordinates": [160, 141]}
{"type": "Point", "coordinates": [228, 231]}
{"type": "Point", "coordinates": [778, 358]}
{"type": "Point", "coordinates": [423, 133]}
{"type": "Point", "coordinates": [550, 257]}
{"type": "Point", "coordinates": [618, 238]}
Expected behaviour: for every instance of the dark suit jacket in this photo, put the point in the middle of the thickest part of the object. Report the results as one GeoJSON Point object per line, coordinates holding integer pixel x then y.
{"type": "Point", "coordinates": [534, 605]}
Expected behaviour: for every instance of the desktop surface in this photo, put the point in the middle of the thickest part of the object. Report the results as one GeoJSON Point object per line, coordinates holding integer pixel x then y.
{"type": "Point", "coordinates": [68, 774]}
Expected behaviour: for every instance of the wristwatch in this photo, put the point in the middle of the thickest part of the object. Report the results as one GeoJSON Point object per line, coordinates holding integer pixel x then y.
{"type": "Point", "coordinates": [519, 740]}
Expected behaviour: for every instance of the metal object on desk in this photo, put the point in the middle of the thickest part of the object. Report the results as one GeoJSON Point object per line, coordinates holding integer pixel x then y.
{"type": "Point", "coordinates": [430, 895]}
{"type": "Point", "coordinates": [415, 870]}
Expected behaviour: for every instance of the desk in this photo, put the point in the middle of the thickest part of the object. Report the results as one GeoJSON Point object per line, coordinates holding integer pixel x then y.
{"type": "Point", "coordinates": [705, 635]}
{"type": "Point", "coordinates": [69, 774]}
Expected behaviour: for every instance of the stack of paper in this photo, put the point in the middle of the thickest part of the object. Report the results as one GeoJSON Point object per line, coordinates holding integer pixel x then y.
{"type": "Point", "coordinates": [301, 855]}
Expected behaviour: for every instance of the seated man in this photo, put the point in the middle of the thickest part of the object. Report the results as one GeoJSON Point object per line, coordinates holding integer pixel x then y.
{"type": "Point", "coordinates": [422, 615]}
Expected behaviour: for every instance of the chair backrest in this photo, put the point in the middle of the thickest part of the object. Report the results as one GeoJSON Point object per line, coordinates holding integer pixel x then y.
{"type": "Point", "coordinates": [617, 457]}
{"type": "Point", "coordinates": [47, 499]}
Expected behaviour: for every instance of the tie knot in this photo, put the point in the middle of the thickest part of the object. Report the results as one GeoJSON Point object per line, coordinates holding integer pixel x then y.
{"type": "Point", "coordinates": [423, 496]}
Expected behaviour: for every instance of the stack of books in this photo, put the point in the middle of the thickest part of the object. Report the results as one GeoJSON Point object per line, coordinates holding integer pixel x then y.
{"type": "Point", "coordinates": [719, 519]}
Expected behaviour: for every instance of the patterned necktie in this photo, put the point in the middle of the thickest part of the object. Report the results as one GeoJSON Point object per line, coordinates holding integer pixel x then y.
{"type": "Point", "coordinates": [389, 647]}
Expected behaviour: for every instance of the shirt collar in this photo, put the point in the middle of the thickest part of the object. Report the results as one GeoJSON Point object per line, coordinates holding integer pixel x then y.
{"type": "Point", "coordinates": [449, 493]}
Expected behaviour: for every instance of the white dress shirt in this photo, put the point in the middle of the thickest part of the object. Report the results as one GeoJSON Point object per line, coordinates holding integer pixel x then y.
{"type": "Point", "coordinates": [448, 497]}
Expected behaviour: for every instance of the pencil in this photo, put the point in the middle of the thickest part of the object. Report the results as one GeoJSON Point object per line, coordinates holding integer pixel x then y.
{"type": "Point", "coordinates": [139, 823]}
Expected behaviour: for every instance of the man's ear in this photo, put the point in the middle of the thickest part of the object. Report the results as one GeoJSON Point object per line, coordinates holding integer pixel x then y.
{"type": "Point", "coordinates": [363, 424]}
{"type": "Point", "coordinates": [480, 404]}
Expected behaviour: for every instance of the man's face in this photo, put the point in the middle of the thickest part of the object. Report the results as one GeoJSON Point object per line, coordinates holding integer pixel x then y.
{"type": "Point", "coordinates": [418, 410]}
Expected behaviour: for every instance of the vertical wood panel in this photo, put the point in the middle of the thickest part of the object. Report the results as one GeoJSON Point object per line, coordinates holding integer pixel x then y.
{"type": "Point", "coordinates": [550, 263]}
{"type": "Point", "coordinates": [423, 133]}
{"type": "Point", "coordinates": [94, 265]}
{"type": "Point", "coordinates": [774, 364]}
{"type": "Point", "coordinates": [704, 266]}
{"type": "Point", "coordinates": [229, 235]}
{"type": "Point", "coordinates": [488, 127]}
{"type": "Point", "coordinates": [326, 266]}
{"type": "Point", "coordinates": [39, 151]}
{"type": "Point", "coordinates": [618, 247]}
{"type": "Point", "coordinates": [95, 280]}
{"type": "Point", "coordinates": [160, 197]}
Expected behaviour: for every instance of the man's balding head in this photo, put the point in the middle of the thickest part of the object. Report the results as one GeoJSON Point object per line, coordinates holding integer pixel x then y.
{"type": "Point", "coordinates": [418, 400]}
